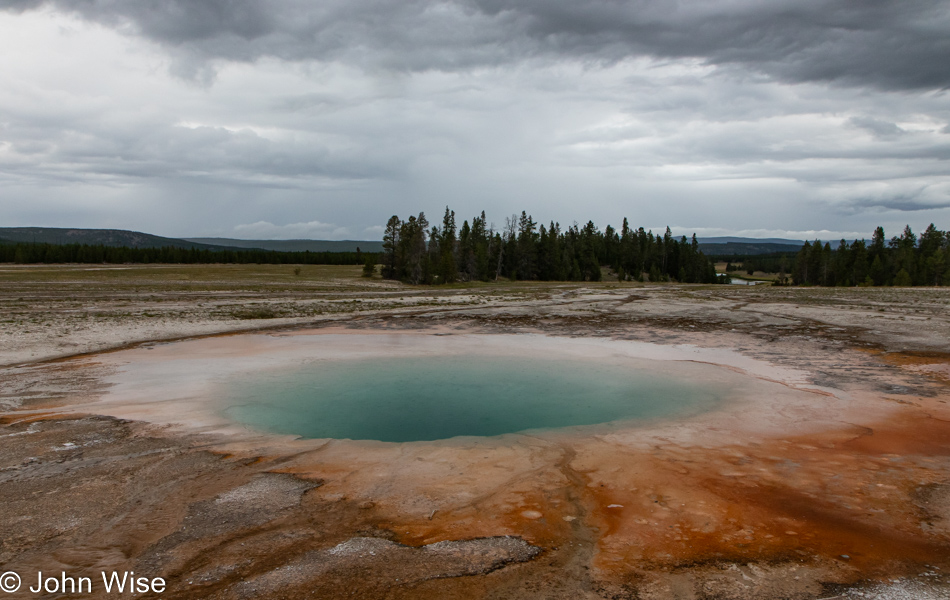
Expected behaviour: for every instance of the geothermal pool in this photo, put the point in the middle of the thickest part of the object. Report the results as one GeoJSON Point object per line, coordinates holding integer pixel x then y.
{"type": "Point", "coordinates": [415, 387]}
{"type": "Point", "coordinates": [425, 398]}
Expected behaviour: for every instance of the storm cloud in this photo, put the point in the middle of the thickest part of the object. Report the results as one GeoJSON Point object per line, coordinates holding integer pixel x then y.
{"type": "Point", "coordinates": [890, 44]}
{"type": "Point", "coordinates": [738, 115]}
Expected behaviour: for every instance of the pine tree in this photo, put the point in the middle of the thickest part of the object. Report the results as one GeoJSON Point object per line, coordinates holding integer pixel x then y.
{"type": "Point", "coordinates": [859, 262]}
{"type": "Point", "coordinates": [369, 267]}
{"type": "Point", "coordinates": [390, 243]}
{"type": "Point", "coordinates": [527, 247]}
{"type": "Point", "coordinates": [448, 269]}
{"type": "Point", "coordinates": [902, 279]}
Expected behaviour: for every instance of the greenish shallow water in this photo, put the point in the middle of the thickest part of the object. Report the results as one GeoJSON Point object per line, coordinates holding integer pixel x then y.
{"type": "Point", "coordinates": [404, 399]}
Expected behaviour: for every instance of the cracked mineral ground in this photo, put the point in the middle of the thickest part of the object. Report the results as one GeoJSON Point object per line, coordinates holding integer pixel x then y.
{"type": "Point", "coordinates": [828, 476]}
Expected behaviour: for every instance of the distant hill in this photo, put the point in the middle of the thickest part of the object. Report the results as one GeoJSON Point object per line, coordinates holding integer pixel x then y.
{"type": "Point", "coordinates": [295, 245]}
{"type": "Point", "coordinates": [105, 237]}
{"type": "Point", "coordinates": [748, 240]}
{"type": "Point", "coordinates": [747, 248]}
{"type": "Point", "coordinates": [137, 239]}
{"type": "Point", "coordinates": [718, 246]}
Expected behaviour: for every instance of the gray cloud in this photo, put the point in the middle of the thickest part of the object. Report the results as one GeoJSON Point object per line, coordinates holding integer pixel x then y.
{"type": "Point", "coordinates": [888, 44]}
{"type": "Point", "coordinates": [901, 203]}
{"type": "Point", "coordinates": [883, 129]}
{"type": "Point", "coordinates": [712, 115]}
{"type": "Point", "coordinates": [207, 153]}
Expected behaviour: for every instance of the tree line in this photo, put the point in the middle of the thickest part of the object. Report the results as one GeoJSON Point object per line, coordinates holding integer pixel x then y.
{"type": "Point", "coordinates": [416, 253]}
{"type": "Point", "coordinates": [23, 252]}
{"type": "Point", "coordinates": [903, 260]}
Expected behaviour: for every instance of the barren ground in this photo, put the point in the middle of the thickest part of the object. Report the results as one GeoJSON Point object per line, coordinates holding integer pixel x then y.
{"type": "Point", "coordinates": [838, 489]}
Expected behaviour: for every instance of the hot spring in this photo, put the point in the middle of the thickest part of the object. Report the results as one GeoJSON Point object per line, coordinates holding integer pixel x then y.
{"type": "Point", "coordinates": [408, 387]}
{"type": "Point", "coordinates": [407, 399]}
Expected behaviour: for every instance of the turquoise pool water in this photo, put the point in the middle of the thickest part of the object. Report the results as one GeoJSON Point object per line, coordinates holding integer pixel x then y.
{"type": "Point", "coordinates": [417, 398]}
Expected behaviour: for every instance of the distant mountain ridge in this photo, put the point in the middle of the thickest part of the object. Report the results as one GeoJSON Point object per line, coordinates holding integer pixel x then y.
{"type": "Point", "coordinates": [137, 239]}
{"type": "Point", "coordinates": [746, 248]}
{"type": "Point", "coordinates": [295, 245]}
{"type": "Point", "coordinates": [746, 240]}
{"type": "Point", "coordinates": [720, 246]}
{"type": "Point", "coordinates": [94, 237]}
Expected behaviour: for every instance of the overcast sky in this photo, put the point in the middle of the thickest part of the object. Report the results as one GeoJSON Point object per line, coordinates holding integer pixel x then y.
{"type": "Point", "coordinates": [320, 119]}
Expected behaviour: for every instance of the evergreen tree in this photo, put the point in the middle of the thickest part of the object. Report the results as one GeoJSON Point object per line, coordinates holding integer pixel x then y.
{"type": "Point", "coordinates": [859, 262]}
{"type": "Point", "coordinates": [527, 248]}
{"type": "Point", "coordinates": [902, 279]}
{"type": "Point", "coordinates": [369, 267]}
{"type": "Point", "coordinates": [448, 269]}
{"type": "Point", "coordinates": [522, 250]}
{"type": "Point", "coordinates": [390, 244]}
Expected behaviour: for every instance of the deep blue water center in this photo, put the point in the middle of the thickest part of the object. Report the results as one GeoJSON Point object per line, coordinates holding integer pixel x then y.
{"type": "Point", "coordinates": [417, 398]}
